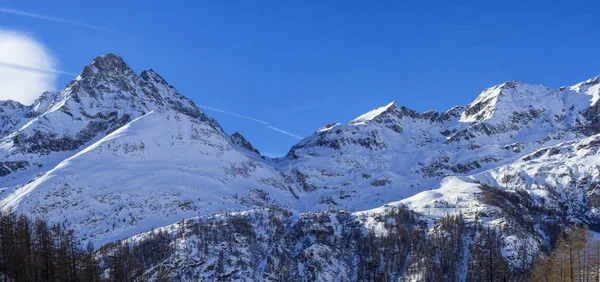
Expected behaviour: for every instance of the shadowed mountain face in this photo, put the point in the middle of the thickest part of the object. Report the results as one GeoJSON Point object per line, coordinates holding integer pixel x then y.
{"type": "Point", "coordinates": [116, 153]}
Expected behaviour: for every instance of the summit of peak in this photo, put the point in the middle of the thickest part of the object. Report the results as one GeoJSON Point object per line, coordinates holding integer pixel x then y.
{"type": "Point", "coordinates": [106, 64]}
{"type": "Point", "coordinates": [109, 57]}
{"type": "Point", "coordinates": [11, 104]}
{"type": "Point", "coordinates": [375, 113]}
{"type": "Point", "coordinates": [393, 111]}
{"type": "Point", "coordinates": [519, 86]}
{"type": "Point", "coordinates": [238, 139]}
{"type": "Point", "coordinates": [110, 61]}
{"type": "Point", "coordinates": [112, 84]}
{"type": "Point", "coordinates": [509, 84]}
{"type": "Point", "coordinates": [506, 97]}
{"type": "Point", "coordinates": [392, 104]}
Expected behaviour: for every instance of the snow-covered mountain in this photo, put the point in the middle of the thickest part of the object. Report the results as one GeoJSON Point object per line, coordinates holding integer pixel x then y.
{"type": "Point", "coordinates": [115, 154]}
{"type": "Point", "coordinates": [394, 152]}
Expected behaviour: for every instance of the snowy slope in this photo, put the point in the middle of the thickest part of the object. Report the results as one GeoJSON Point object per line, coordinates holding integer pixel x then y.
{"type": "Point", "coordinates": [564, 177]}
{"type": "Point", "coordinates": [115, 163]}
{"type": "Point", "coordinates": [151, 172]}
{"type": "Point", "coordinates": [394, 152]}
{"type": "Point", "coordinates": [116, 153]}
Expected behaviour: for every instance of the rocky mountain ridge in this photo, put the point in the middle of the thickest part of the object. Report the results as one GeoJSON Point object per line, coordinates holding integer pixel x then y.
{"type": "Point", "coordinates": [115, 154]}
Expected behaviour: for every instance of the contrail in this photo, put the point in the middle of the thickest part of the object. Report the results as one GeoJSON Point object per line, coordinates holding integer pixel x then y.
{"type": "Point", "coordinates": [234, 114]}
{"type": "Point", "coordinates": [269, 126]}
{"type": "Point", "coordinates": [48, 18]}
{"type": "Point", "coordinates": [284, 132]}
{"type": "Point", "coordinates": [33, 69]}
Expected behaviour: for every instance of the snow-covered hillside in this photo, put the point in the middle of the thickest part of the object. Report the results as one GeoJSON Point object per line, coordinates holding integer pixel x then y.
{"type": "Point", "coordinates": [394, 152]}
{"type": "Point", "coordinates": [117, 153]}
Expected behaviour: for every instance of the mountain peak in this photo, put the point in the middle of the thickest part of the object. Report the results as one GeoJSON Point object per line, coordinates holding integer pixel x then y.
{"type": "Point", "coordinates": [375, 113]}
{"type": "Point", "coordinates": [241, 141]}
{"type": "Point", "coordinates": [108, 59]}
{"type": "Point", "coordinates": [10, 104]}
{"type": "Point", "coordinates": [509, 84]}
{"type": "Point", "coordinates": [391, 112]}
{"type": "Point", "coordinates": [111, 84]}
{"type": "Point", "coordinates": [107, 65]}
{"type": "Point", "coordinates": [505, 98]}
{"type": "Point", "coordinates": [110, 62]}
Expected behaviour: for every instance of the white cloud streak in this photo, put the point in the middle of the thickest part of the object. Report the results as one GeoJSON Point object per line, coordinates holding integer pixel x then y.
{"type": "Point", "coordinates": [49, 18]}
{"type": "Point", "coordinates": [269, 126]}
{"type": "Point", "coordinates": [18, 67]}
{"type": "Point", "coordinates": [27, 68]}
{"type": "Point", "coordinates": [285, 132]}
{"type": "Point", "coordinates": [234, 114]}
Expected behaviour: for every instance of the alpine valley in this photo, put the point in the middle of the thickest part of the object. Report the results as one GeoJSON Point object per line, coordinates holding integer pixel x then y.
{"type": "Point", "coordinates": [475, 193]}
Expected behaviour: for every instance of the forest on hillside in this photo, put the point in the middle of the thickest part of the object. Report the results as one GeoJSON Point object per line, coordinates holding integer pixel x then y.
{"type": "Point", "coordinates": [265, 246]}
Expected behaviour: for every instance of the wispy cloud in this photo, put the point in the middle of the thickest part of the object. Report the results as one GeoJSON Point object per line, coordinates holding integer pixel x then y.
{"type": "Point", "coordinates": [27, 67]}
{"type": "Point", "coordinates": [32, 69]}
{"type": "Point", "coordinates": [268, 125]}
{"type": "Point", "coordinates": [49, 18]}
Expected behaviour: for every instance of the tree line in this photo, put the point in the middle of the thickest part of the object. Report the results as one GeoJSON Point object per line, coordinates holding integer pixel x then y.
{"type": "Point", "coordinates": [36, 251]}
{"type": "Point", "coordinates": [576, 258]}
{"type": "Point", "coordinates": [270, 248]}
{"type": "Point", "coordinates": [268, 245]}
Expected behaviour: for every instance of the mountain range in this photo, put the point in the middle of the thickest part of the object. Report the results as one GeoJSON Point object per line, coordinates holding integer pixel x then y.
{"type": "Point", "coordinates": [116, 154]}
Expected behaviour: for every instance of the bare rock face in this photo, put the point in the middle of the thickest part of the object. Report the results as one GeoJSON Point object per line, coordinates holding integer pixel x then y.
{"type": "Point", "coordinates": [241, 141]}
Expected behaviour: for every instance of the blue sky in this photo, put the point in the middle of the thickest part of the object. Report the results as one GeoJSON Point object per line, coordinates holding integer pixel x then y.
{"type": "Point", "coordinates": [299, 65]}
